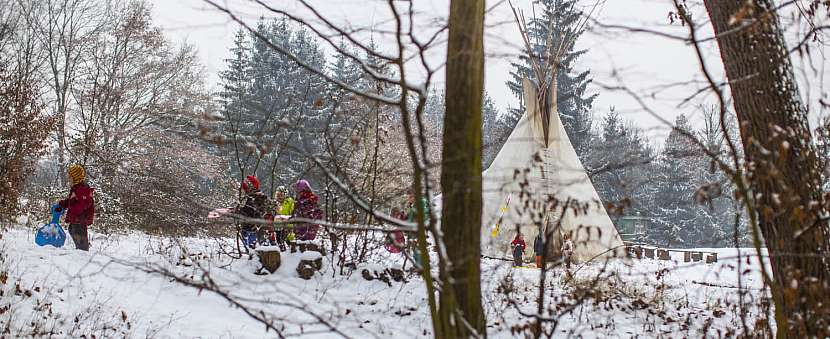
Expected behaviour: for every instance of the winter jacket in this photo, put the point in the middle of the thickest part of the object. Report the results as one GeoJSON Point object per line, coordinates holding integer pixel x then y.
{"type": "Point", "coordinates": [412, 215]}
{"type": "Point", "coordinates": [256, 206]}
{"type": "Point", "coordinates": [395, 242]}
{"type": "Point", "coordinates": [80, 205]}
{"type": "Point", "coordinates": [307, 207]}
{"type": "Point", "coordinates": [285, 208]}
{"type": "Point", "coordinates": [519, 242]}
{"type": "Point", "coordinates": [538, 245]}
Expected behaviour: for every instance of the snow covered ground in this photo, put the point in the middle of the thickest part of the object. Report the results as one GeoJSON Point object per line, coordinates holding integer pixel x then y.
{"type": "Point", "coordinates": [115, 290]}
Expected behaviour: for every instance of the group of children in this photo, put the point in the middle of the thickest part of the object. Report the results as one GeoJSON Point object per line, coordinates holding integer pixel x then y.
{"type": "Point", "coordinates": [518, 248]}
{"type": "Point", "coordinates": [263, 214]}
{"type": "Point", "coordinates": [258, 210]}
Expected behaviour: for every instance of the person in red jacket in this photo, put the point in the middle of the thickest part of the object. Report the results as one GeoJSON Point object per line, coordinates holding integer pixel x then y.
{"type": "Point", "coordinates": [80, 207]}
{"type": "Point", "coordinates": [256, 207]}
{"type": "Point", "coordinates": [306, 207]}
{"type": "Point", "coordinates": [518, 244]}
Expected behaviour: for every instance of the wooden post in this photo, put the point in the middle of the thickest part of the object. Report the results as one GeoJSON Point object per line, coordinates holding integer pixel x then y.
{"type": "Point", "coordinates": [310, 262]}
{"type": "Point", "coordinates": [663, 254]}
{"type": "Point", "coordinates": [269, 257]}
{"type": "Point", "coordinates": [711, 258]}
{"type": "Point", "coordinates": [649, 253]}
{"type": "Point", "coordinates": [638, 252]}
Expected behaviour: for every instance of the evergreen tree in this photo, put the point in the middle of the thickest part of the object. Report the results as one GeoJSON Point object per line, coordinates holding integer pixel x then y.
{"type": "Point", "coordinates": [492, 135]}
{"type": "Point", "coordinates": [233, 96]}
{"type": "Point", "coordinates": [621, 169]}
{"type": "Point", "coordinates": [694, 205]}
{"type": "Point", "coordinates": [715, 196]}
{"type": "Point", "coordinates": [434, 110]}
{"type": "Point", "coordinates": [272, 95]}
{"type": "Point", "coordinates": [434, 123]}
{"type": "Point", "coordinates": [558, 23]}
{"type": "Point", "coordinates": [234, 80]}
{"type": "Point", "coordinates": [275, 108]}
{"type": "Point", "coordinates": [676, 214]}
{"type": "Point", "coordinates": [354, 118]}
{"type": "Point", "coordinates": [375, 132]}
{"type": "Point", "coordinates": [345, 122]}
{"type": "Point", "coordinates": [310, 108]}
{"type": "Point", "coordinates": [344, 68]}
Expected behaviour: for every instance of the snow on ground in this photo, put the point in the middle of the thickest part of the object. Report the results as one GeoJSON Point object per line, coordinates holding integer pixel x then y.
{"type": "Point", "coordinates": [115, 293]}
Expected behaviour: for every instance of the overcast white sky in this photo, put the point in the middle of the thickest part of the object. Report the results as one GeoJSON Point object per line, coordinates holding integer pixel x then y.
{"type": "Point", "coordinates": [644, 62]}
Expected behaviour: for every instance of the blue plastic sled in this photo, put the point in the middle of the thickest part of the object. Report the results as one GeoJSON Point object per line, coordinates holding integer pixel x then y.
{"type": "Point", "coordinates": [52, 233]}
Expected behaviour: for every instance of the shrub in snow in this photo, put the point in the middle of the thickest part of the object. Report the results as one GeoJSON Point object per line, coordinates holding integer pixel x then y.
{"type": "Point", "coordinates": [24, 126]}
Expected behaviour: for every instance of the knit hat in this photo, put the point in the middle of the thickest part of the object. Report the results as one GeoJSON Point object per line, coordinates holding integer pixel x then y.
{"type": "Point", "coordinates": [76, 173]}
{"type": "Point", "coordinates": [302, 185]}
{"type": "Point", "coordinates": [251, 183]}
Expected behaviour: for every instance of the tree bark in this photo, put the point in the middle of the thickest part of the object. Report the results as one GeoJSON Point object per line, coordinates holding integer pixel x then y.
{"type": "Point", "coordinates": [460, 310]}
{"type": "Point", "coordinates": [782, 163]}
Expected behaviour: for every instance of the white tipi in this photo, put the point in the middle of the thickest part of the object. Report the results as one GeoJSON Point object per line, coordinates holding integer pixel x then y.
{"type": "Point", "coordinates": [537, 183]}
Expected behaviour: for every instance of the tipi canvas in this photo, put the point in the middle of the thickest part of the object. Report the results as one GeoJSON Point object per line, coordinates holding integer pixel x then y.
{"type": "Point", "coordinates": [537, 184]}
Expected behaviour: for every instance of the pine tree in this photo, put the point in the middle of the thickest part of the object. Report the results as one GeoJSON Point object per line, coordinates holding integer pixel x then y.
{"type": "Point", "coordinates": [492, 135]}
{"type": "Point", "coordinates": [275, 108]}
{"type": "Point", "coordinates": [676, 215]}
{"type": "Point", "coordinates": [621, 168]}
{"type": "Point", "coordinates": [345, 121]}
{"type": "Point", "coordinates": [717, 206]}
{"type": "Point", "coordinates": [307, 95]}
{"type": "Point", "coordinates": [234, 80]}
{"type": "Point", "coordinates": [233, 97]}
{"type": "Point", "coordinates": [270, 97]}
{"type": "Point", "coordinates": [559, 19]}
{"type": "Point", "coordinates": [344, 68]}
{"type": "Point", "coordinates": [434, 110]}
{"type": "Point", "coordinates": [434, 120]}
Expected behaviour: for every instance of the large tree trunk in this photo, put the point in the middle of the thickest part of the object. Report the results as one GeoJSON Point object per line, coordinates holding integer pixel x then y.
{"type": "Point", "coordinates": [784, 179]}
{"type": "Point", "coordinates": [460, 310]}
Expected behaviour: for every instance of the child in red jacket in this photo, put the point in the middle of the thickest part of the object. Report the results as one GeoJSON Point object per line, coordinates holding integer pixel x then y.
{"type": "Point", "coordinates": [307, 207]}
{"type": "Point", "coordinates": [80, 207]}
{"type": "Point", "coordinates": [518, 245]}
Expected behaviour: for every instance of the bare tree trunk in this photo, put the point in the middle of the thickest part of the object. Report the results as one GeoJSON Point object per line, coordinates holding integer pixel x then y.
{"type": "Point", "coordinates": [460, 308]}
{"type": "Point", "coordinates": [783, 172]}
